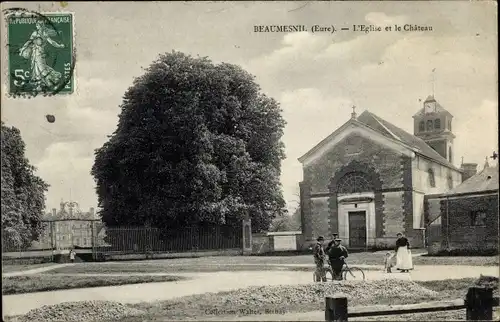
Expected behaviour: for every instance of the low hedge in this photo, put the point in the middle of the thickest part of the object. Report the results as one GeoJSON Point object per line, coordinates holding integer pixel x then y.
{"type": "Point", "coordinates": [464, 252]}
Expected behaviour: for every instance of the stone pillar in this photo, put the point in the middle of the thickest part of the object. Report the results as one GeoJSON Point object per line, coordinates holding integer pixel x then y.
{"type": "Point", "coordinates": [306, 211]}
{"type": "Point", "coordinates": [334, 213]}
{"type": "Point", "coordinates": [247, 236]}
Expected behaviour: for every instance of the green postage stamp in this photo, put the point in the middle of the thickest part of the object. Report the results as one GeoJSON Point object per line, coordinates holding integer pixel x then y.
{"type": "Point", "coordinates": [40, 53]}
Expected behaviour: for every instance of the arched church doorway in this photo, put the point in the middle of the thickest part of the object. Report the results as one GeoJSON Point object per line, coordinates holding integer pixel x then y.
{"type": "Point", "coordinates": [354, 188]}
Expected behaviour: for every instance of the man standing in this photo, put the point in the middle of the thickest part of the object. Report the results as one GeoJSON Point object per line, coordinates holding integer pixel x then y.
{"type": "Point", "coordinates": [330, 244]}
{"type": "Point", "coordinates": [337, 254]}
{"type": "Point", "coordinates": [319, 260]}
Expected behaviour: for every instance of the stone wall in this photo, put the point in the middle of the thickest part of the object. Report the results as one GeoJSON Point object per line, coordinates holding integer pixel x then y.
{"type": "Point", "coordinates": [393, 213]}
{"type": "Point", "coordinates": [260, 243]}
{"type": "Point", "coordinates": [378, 156]}
{"type": "Point", "coordinates": [320, 217]}
{"type": "Point", "coordinates": [458, 231]}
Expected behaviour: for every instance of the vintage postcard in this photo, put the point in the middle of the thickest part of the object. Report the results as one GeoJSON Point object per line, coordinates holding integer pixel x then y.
{"type": "Point", "coordinates": [249, 161]}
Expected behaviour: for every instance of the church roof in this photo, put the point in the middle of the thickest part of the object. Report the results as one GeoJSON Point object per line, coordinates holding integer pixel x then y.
{"type": "Point", "coordinates": [392, 131]}
{"type": "Point", "coordinates": [485, 180]}
{"type": "Point", "coordinates": [439, 107]}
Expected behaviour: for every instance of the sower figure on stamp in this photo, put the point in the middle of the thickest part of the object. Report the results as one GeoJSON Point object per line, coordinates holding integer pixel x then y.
{"type": "Point", "coordinates": [337, 254]}
{"type": "Point", "coordinates": [319, 260]}
{"type": "Point", "coordinates": [42, 75]}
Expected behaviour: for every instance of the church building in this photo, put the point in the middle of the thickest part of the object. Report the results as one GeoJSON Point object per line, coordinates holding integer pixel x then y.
{"type": "Point", "coordinates": [367, 180]}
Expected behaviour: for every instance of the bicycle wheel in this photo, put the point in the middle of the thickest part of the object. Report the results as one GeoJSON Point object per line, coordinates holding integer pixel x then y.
{"type": "Point", "coordinates": [354, 273]}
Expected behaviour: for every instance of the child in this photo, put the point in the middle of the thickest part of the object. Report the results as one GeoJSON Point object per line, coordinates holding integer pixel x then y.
{"type": "Point", "coordinates": [388, 262]}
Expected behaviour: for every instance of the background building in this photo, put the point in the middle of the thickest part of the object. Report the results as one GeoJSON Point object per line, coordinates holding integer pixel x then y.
{"type": "Point", "coordinates": [69, 227]}
{"type": "Point", "coordinates": [465, 219]}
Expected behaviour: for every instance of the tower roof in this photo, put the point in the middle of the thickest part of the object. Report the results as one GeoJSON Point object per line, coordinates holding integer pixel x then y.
{"type": "Point", "coordinates": [430, 98]}
{"type": "Point", "coordinates": [399, 134]}
{"type": "Point", "coordinates": [439, 107]}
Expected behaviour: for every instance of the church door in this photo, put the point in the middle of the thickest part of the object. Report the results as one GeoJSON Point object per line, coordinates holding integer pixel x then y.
{"type": "Point", "coordinates": [357, 229]}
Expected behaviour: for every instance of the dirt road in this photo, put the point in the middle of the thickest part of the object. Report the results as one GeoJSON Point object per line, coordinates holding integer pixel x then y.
{"type": "Point", "coordinates": [213, 282]}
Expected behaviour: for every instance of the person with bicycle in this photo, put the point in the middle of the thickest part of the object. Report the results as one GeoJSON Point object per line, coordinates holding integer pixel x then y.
{"type": "Point", "coordinates": [336, 256]}
{"type": "Point", "coordinates": [319, 260]}
{"type": "Point", "coordinates": [330, 244]}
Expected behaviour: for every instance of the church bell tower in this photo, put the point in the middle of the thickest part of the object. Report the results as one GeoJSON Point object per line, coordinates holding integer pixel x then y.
{"type": "Point", "coordinates": [433, 125]}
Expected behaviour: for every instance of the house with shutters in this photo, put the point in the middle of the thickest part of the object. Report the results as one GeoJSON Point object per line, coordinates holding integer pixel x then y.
{"type": "Point", "coordinates": [368, 179]}
{"type": "Point", "coordinates": [465, 219]}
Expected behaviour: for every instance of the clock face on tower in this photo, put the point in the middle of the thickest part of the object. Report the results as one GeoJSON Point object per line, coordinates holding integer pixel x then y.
{"type": "Point", "coordinates": [429, 107]}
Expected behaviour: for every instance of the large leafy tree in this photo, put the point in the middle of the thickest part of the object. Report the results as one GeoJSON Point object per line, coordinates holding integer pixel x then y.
{"type": "Point", "coordinates": [23, 199]}
{"type": "Point", "coordinates": [196, 143]}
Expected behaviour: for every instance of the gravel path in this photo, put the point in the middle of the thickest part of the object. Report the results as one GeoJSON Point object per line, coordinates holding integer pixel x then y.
{"type": "Point", "coordinates": [213, 282]}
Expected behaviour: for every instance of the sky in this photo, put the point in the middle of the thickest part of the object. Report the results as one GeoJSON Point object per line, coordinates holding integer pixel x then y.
{"type": "Point", "coordinates": [316, 77]}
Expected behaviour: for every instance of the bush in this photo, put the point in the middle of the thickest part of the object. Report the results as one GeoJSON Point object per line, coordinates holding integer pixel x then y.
{"type": "Point", "coordinates": [27, 261]}
{"type": "Point", "coordinates": [464, 252]}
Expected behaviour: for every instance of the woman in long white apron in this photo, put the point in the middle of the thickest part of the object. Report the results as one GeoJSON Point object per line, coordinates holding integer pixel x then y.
{"type": "Point", "coordinates": [403, 254]}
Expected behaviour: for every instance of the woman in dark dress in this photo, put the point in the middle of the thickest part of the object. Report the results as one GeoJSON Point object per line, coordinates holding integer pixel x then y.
{"type": "Point", "coordinates": [403, 255]}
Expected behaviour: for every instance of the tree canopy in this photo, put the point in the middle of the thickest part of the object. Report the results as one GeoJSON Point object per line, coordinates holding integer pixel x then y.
{"type": "Point", "coordinates": [23, 199]}
{"type": "Point", "coordinates": [196, 143]}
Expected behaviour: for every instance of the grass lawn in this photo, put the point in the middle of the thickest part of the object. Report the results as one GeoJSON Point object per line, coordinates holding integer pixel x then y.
{"type": "Point", "coordinates": [225, 263]}
{"type": "Point", "coordinates": [23, 267]}
{"type": "Point", "coordinates": [216, 305]}
{"type": "Point", "coordinates": [50, 282]}
{"type": "Point", "coordinates": [452, 288]}
{"type": "Point", "coordinates": [457, 260]}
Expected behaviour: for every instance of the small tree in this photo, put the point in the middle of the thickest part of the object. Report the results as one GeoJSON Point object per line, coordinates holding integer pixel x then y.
{"type": "Point", "coordinates": [287, 222]}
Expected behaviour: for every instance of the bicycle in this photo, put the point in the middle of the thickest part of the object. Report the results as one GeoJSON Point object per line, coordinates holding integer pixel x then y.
{"type": "Point", "coordinates": [354, 273]}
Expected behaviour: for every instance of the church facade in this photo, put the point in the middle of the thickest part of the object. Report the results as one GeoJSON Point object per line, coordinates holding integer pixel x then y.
{"type": "Point", "coordinates": [367, 180]}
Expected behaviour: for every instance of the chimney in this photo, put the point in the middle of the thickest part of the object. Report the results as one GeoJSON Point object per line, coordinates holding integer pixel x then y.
{"type": "Point", "coordinates": [91, 211]}
{"type": "Point", "coordinates": [54, 212]}
{"type": "Point", "coordinates": [469, 170]}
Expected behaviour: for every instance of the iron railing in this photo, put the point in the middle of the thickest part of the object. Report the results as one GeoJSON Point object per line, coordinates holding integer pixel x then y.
{"type": "Point", "coordinates": [128, 240]}
{"type": "Point", "coordinates": [92, 237]}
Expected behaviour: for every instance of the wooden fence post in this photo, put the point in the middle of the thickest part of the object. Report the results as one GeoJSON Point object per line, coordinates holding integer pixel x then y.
{"type": "Point", "coordinates": [336, 308]}
{"type": "Point", "coordinates": [479, 302]}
